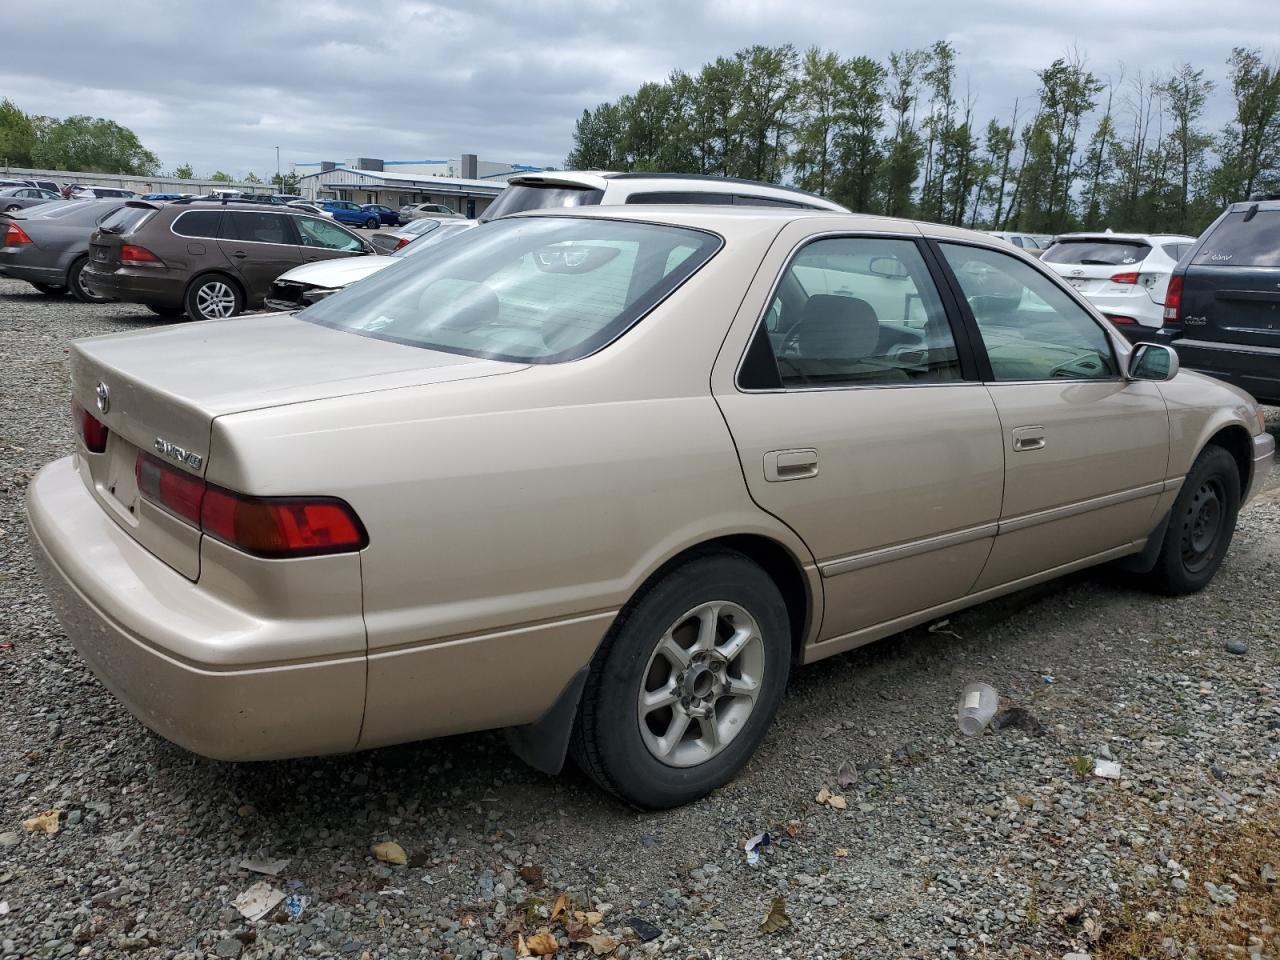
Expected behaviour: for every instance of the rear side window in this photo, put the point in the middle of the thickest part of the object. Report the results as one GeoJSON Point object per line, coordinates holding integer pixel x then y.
{"type": "Point", "coordinates": [1098, 252]}
{"type": "Point", "coordinates": [257, 228]}
{"type": "Point", "coordinates": [1176, 251]}
{"type": "Point", "coordinates": [1243, 241]}
{"type": "Point", "coordinates": [198, 223]}
{"type": "Point", "coordinates": [126, 220]}
{"type": "Point", "coordinates": [680, 196]}
{"type": "Point", "coordinates": [526, 196]}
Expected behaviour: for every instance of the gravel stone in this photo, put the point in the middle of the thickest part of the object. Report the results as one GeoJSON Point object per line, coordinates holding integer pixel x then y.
{"type": "Point", "coordinates": [946, 846]}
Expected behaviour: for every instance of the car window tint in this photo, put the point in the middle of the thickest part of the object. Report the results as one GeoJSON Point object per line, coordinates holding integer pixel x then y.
{"type": "Point", "coordinates": [681, 196]}
{"type": "Point", "coordinates": [1031, 328]}
{"type": "Point", "coordinates": [1243, 240]}
{"type": "Point", "coordinates": [1176, 251]}
{"type": "Point", "coordinates": [1097, 252]}
{"type": "Point", "coordinates": [755, 200]}
{"type": "Point", "coordinates": [853, 311]}
{"type": "Point", "coordinates": [250, 227]}
{"type": "Point", "coordinates": [198, 223]}
{"type": "Point", "coordinates": [322, 233]}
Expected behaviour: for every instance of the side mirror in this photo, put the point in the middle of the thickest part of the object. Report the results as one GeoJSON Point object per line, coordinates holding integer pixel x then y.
{"type": "Point", "coordinates": [1153, 361]}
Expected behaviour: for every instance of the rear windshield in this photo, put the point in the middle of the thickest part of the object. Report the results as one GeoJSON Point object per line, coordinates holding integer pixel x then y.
{"type": "Point", "coordinates": [1243, 241]}
{"type": "Point", "coordinates": [126, 220]}
{"type": "Point", "coordinates": [1096, 252]}
{"type": "Point", "coordinates": [530, 196]}
{"type": "Point", "coordinates": [527, 290]}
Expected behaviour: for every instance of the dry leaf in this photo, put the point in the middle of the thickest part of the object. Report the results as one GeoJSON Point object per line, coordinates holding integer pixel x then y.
{"type": "Point", "coordinates": [390, 852]}
{"type": "Point", "coordinates": [561, 903]}
{"type": "Point", "coordinates": [46, 822]}
{"type": "Point", "coordinates": [522, 948]}
{"type": "Point", "coordinates": [601, 944]}
{"type": "Point", "coordinates": [838, 802]}
{"type": "Point", "coordinates": [794, 828]}
{"type": "Point", "coordinates": [577, 930]}
{"type": "Point", "coordinates": [531, 875]}
{"type": "Point", "coordinates": [591, 917]}
{"type": "Point", "coordinates": [777, 918]}
{"type": "Point", "coordinates": [823, 796]}
{"type": "Point", "coordinates": [842, 851]}
{"type": "Point", "coordinates": [542, 944]}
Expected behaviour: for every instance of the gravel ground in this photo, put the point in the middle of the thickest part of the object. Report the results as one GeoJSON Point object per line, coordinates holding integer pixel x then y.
{"type": "Point", "coordinates": [1000, 845]}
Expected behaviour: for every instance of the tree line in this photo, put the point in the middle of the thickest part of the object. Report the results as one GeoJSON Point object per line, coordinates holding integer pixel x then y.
{"type": "Point", "coordinates": [903, 137]}
{"type": "Point", "coordinates": [91, 144]}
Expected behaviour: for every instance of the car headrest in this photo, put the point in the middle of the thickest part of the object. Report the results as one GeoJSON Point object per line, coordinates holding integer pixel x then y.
{"type": "Point", "coordinates": [838, 327]}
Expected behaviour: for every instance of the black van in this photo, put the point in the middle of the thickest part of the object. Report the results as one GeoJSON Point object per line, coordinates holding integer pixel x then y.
{"type": "Point", "coordinates": [1223, 303]}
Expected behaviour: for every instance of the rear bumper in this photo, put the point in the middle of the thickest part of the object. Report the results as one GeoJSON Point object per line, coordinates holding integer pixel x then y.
{"type": "Point", "coordinates": [157, 288]}
{"type": "Point", "coordinates": [1256, 370]}
{"type": "Point", "coordinates": [121, 607]}
{"type": "Point", "coordinates": [9, 267]}
{"type": "Point", "coordinates": [1264, 458]}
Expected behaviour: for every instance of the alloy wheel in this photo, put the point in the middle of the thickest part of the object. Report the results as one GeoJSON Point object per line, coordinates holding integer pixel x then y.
{"type": "Point", "coordinates": [215, 300]}
{"type": "Point", "coordinates": [701, 684]}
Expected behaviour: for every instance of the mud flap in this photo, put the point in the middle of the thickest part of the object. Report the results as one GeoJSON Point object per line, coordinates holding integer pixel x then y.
{"type": "Point", "coordinates": [1145, 561]}
{"type": "Point", "coordinates": [544, 743]}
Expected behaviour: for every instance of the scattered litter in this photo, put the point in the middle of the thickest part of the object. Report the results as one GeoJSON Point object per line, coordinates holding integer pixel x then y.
{"type": "Point", "coordinates": [1046, 678]}
{"type": "Point", "coordinates": [833, 800]}
{"type": "Point", "coordinates": [643, 929]}
{"type": "Point", "coordinates": [294, 905]}
{"type": "Point", "coordinates": [755, 845]}
{"type": "Point", "coordinates": [46, 822]}
{"type": "Point", "coordinates": [259, 900]}
{"type": "Point", "coordinates": [294, 885]}
{"type": "Point", "coordinates": [391, 892]}
{"type": "Point", "coordinates": [1107, 769]}
{"type": "Point", "coordinates": [842, 852]}
{"type": "Point", "coordinates": [978, 704]}
{"type": "Point", "coordinates": [270, 868]}
{"type": "Point", "coordinates": [390, 852]}
{"type": "Point", "coordinates": [941, 627]}
{"type": "Point", "coordinates": [776, 919]}
{"type": "Point", "coordinates": [846, 776]}
{"type": "Point", "coordinates": [1019, 717]}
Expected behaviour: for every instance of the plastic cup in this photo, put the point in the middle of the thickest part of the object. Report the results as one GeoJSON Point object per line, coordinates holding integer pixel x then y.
{"type": "Point", "coordinates": [977, 706]}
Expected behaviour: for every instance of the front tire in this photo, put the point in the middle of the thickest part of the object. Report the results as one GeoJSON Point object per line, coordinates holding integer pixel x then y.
{"type": "Point", "coordinates": [372, 223]}
{"type": "Point", "coordinates": [12, 207]}
{"type": "Point", "coordinates": [213, 297]}
{"type": "Point", "coordinates": [1201, 524]}
{"type": "Point", "coordinates": [75, 283]}
{"type": "Point", "coordinates": [686, 683]}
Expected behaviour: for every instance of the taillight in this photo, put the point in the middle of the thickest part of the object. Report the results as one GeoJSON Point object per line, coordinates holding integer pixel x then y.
{"type": "Point", "coordinates": [14, 235]}
{"type": "Point", "coordinates": [274, 527]}
{"type": "Point", "coordinates": [133, 255]}
{"type": "Point", "coordinates": [1123, 321]}
{"type": "Point", "coordinates": [92, 430]}
{"type": "Point", "coordinates": [1173, 300]}
{"type": "Point", "coordinates": [1124, 278]}
{"type": "Point", "coordinates": [403, 241]}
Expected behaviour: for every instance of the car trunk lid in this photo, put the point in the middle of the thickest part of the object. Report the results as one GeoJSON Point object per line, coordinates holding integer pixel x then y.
{"type": "Point", "coordinates": [159, 391]}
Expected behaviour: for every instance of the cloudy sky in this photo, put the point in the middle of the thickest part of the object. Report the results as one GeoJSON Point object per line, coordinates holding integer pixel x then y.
{"type": "Point", "coordinates": [220, 85]}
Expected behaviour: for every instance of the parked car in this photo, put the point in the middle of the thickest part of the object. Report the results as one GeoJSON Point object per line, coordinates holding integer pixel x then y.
{"type": "Point", "coordinates": [1223, 302]}
{"type": "Point", "coordinates": [1124, 275]}
{"type": "Point", "coordinates": [311, 282]}
{"type": "Point", "coordinates": [38, 184]}
{"type": "Point", "coordinates": [389, 241]}
{"type": "Point", "coordinates": [350, 213]}
{"type": "Point", "coordinates": [209, 260]}
{"type": "Point", "coordinates": [48, 245]}
{"type": "Point", "coordinates": [310, 208]}
{"type": "Point", "coordinates": [164, 196]}
{"type": "Point", "coordinates": [18, 198]}
{"type": "Point", "coordinates": [412, 211]}
{"type": "Point", "coordinates": [386, 216]}
{"type": "Point", "coordinates": [101, 193]}
{"type": "Point", "coordinates": [567, 188]}
{"type": "Point", "coordinates": [601, 477]}
{"type": "Point", "coordinates": [1031, 243]}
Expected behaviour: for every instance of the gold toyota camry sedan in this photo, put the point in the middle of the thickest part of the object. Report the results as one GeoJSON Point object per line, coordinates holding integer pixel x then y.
{"type": "Point", "coordinates": [603, 477]}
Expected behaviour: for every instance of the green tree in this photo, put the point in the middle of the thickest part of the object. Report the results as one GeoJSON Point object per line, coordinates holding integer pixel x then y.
{"type": "Point", "coordinates": [285, 182]}
{"type": "Point", "coordinates": [252, 177]}
{"type": "Point", "coordinates": [595, 138]}
{"type": "Point", "coordinates": [860, 92]}
{"type": "Point", "coordinates": [93, 144]}
{"type": "Point", "coordinates": [221, 177]}
{"type": "Point", "coordinates": [818, 93]}
{"type": "Point", "coordinates": [938, 74]}
{"type": "Point", "coordinates": [765, 109]}
{"type": "Point", "coordinates": [1186, 92]}
{"type": "Point", "coordinates": [1249, 146]}
{"type": "Point", "coordinates": [903, 150]}
{"type": "Point", "coordinates": [184, 172]}
{"type": "Point", "coordinates": [17, 135]}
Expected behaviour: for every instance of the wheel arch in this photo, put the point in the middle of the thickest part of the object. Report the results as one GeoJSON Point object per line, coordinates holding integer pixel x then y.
{"type": "Point", "coordinates": [1235, 439]}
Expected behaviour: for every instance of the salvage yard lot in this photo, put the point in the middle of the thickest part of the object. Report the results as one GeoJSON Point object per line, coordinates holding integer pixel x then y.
{"type": "Point", "coordinates": [1004, 844]}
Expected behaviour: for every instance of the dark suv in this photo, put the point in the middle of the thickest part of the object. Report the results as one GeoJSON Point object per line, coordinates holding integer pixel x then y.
{"type": "Point", "coordinates": [1223, 302]}
{"type": "Point", "coordinates": [207, 259]}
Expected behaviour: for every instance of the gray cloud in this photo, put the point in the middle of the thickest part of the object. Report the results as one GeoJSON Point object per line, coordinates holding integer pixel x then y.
{"type": "Point", "coordinates": [220, 85]}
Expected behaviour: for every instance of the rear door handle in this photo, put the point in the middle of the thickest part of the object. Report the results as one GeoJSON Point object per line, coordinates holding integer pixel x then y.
{"type": "Point", "coordinates": [782, 465]}
{"type": "Point", "coordinates": [1028, 438]}
{"type": "Point", "coordinates": [239, 254]}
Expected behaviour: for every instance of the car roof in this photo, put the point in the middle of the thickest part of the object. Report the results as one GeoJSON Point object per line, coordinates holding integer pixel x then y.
{"type": "Point", "coordinates": [1144, 237]}
{"type": "Point", "coordinates": [599, 179]}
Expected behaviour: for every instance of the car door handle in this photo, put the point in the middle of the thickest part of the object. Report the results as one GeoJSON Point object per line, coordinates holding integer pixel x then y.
{"type": "Point", "coordinates": [1028, 438]}
{"type": "Point", "coordinates": [782, 465]}
{"type": "Point", "coordinates": [239, 254]}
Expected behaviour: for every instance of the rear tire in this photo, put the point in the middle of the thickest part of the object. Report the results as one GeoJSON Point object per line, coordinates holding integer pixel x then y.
{"type": "Point", "coordinates": [50, 289]}
{"type": "Point", "coordinates": [213, 296]}
{"type": "Point", "coordinates": [670, 711]}
{"type": "Point", "coordinates": [1201, 524]}
{"type": "Point", "coordinates": [12, 207]}
{"type": "Point", "coordinates": [76, 285]}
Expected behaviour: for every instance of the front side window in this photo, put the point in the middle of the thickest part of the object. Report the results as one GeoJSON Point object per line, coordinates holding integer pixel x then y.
{"type": "Point", "coordinates": [323, 233]}
{"type": "Point", "coordinates": [540, 290]}
{"type": "Point", "coordinates": [1243, 239]}
{"type": "Point", "coordinates": [856, 311]}
{"type": "Point", "coordinates": [1031, 328]}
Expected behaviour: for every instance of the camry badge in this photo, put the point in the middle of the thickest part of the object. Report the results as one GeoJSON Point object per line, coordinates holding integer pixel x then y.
{"type": "Point", "coordinates": [104, 397]}
{"type": "Point", "coordinates": [175, 452]}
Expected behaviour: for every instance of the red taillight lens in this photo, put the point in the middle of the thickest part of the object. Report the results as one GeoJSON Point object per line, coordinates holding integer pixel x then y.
{"type": "Point", "coordinates": [1123, 321]}
{"type": "Point", "coordinates": [403, 241]}
{"type": "Point", "coordinates": [92, 430]}
{"type": "Point", "coordinates": [1124, 278]}
{"type": "Point", "coordinates": [1173, 300]}
{"type": "Point", "coordinates": [134, 255]}
{"type": "Point", "coordinates": [14, 235]}
{"type": "Point", "coordinates": [263, 526]}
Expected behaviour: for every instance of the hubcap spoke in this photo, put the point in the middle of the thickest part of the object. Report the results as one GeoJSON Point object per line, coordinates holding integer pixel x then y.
{"type": "Point", "coordinates": [676, 655]}
{"type": "Point", "coordinates": [708, 623]}
{"type": "Point", "coordinates": [742, 687]}
{"type": "Point", "coordinates": [734, 645]}
{"type": "Point", "coordinates": [664, 696]}
{"type": "Point", "coordinates": [710, 731]}
{"type": "Point", "coordinates": [668, 742]}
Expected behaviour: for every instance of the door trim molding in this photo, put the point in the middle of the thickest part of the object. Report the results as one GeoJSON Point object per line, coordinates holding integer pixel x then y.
{"type": "Point", "coordinates": [859, 561]}
{"type": "Point", "coordinates": [1081, 506]}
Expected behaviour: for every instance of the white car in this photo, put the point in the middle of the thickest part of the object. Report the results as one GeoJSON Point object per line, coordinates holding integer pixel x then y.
{"type": "Point", "coordinates": [1124, 275]}
{"type": "Point", "coordinates": [570, 188]}
{"type": "Point", "coordinates": [1034, 244]}
{"type": "Point", "coordinates": [318, 210]}
{"type": "Point", "coordinates": [304, 285]}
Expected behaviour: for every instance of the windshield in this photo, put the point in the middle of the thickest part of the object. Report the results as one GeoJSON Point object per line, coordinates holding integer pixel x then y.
{"type": "Point", "coordinates": [532, 196]}
{"type": "Point", "coordinates": [1243, 241]}
{"type": "Point", "coordinates": [527, 290]}
{"type": "Point", "coordinates": [429, 240]}
{"type": "Point", "coordinates": [1097, 252]}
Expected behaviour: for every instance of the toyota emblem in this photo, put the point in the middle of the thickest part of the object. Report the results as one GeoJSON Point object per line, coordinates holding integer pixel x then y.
{"type": "Point", "coordinates": [104, 397]}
